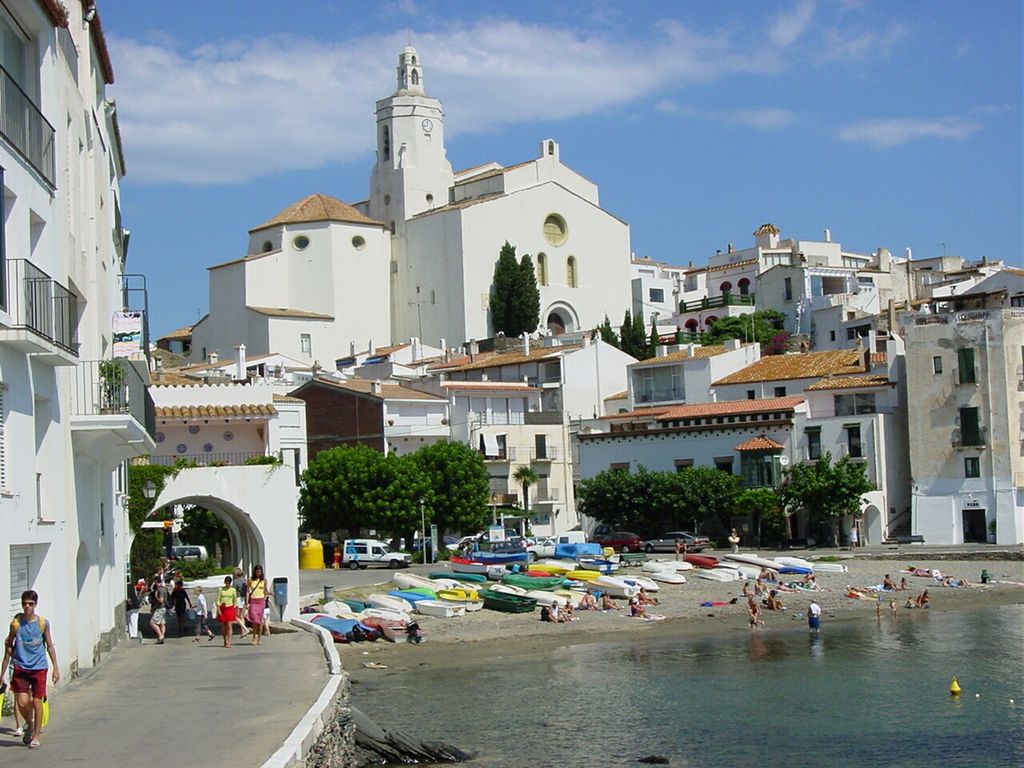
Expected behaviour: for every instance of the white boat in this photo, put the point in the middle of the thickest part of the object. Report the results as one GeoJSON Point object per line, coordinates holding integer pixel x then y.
{"type": "Point", "coordinates": [598, 564]}
{"type": "Point", "coordinates": [716, 574]}
{"type": "Point", "coordinates": [642, 581]}
{"type": "Point", "coordinates": [554, 566]}
{"type": "Point", "coordinates": [389, 603]}
{"type": "Point", "coordinates": [568, 594]}
{"type": "Point", "coordinates": [508, 589]}
{"type": "Point", "coordinates": [383, 613]}
{"type": "Point", "coordinates": [761, 562]}
{"type": "Point", "coordinates": [748, 571]}
{"type": "Point", "coordinates": [440, 609]}
{"type": "Point", "coordinates": [799, 562]}
{"type": "Point", "coordinates": [544, 597]}
{"type": "Point", "coordinates": [469, 605]}
{"type": "Point", "coordinates": [666, 576]}
{"type": "Point", "coordinates": [652, 566]}
{"type": "Point", "coordinates": [614, 586]}
{"type": "Point", "coordinates": [437, 584]}
{"type": "Point", "coordinates": [829, 568]}
{"type": "Point", "coordinates": [412, 581]}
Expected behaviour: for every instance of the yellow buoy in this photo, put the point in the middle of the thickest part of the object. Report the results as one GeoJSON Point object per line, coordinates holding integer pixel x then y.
{"type": "Point", "coordinates": [954, 688]}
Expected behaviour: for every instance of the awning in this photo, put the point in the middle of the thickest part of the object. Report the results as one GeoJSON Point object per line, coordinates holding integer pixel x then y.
{"type": "Point", "coordinates": [491, 445]}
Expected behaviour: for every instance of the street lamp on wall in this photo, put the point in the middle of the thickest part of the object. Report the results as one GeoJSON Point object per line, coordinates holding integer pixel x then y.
{"type": "Point", "coordinates": [149, 490]}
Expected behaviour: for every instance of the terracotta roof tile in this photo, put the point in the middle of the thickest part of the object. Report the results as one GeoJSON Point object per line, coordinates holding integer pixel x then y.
{"type": "Point", "coordinates": [389, 350]}
{"type": "Point", "coordinates": [618, 395]}
{"type": "Point", "coordinates": [766, 229]}
{"type": "Point", "coordinates": [683, 354]}
{"type": "Point", "coordinates": [733, 265]}
{"type": "Point", "coordinates": [651, 412]}
{"type": "Point", "coordinates": [214, 411]}
{"type": "Point", "coordinates": [318, 208]}
{"type": "Point", "coordinates": [388, 391]}
{"type": "Point", "coordinates": [809, 365]}
{"type": "Point", "coordinates": [287, 399]}
{"type": "Point", "coordinates": [494, 359]}
{"type": "Point", "coordinates": [760, 443]}
{"type": "Point", "coordinates": [302, 314]}
{"type": "Point", "coordinates": [181, 333]}
{"type": "Point", "coordinates": [167, 378]}
{"type": "Point", "coordinates": [850, 382]}
{"type": "Point", "coordinates": [730, 408]}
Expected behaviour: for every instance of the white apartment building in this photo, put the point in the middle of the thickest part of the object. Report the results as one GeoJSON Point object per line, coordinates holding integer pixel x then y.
{"type": "Point", "coordinates": [69, 414]}
{"type": "Point", "coordinates": [965, 358]}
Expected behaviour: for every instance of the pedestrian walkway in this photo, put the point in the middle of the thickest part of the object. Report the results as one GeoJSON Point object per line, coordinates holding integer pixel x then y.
{"type": "Point", "coordinates": [179, 703]}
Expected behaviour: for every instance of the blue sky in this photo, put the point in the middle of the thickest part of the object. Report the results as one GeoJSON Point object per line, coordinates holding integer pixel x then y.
{"type": "Point", "coordinates": [892, 124]}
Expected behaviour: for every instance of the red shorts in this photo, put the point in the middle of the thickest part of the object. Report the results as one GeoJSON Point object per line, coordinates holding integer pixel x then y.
{"type": "Point", "coordinates": [30, 681]}
{"type": "Point", "coordinates": [227, 614]}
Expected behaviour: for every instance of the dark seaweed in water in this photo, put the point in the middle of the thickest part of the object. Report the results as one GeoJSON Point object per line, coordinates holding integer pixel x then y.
{"type": "Point", "coordinates": [380, 746]}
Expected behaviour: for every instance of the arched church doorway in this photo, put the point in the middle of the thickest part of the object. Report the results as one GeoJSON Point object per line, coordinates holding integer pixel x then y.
{"type": "Point", "coordinates": [556, 324]}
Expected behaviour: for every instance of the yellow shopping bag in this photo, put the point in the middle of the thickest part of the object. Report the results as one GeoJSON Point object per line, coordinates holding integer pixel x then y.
{"type": "Point", "coordinates": [46, 711]}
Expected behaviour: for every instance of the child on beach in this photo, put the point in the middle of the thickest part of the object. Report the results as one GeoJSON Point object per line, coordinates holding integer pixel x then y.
{"type": "Point", "coordinates": [201, 609]}
{"type": "Point", "coordinates": [755, 614]}
{"type": "Point", "coordinates": [892, 608]}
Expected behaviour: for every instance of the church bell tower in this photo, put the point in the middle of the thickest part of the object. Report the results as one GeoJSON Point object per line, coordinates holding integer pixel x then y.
{"type": "Point", "coordinates": [412, 173]}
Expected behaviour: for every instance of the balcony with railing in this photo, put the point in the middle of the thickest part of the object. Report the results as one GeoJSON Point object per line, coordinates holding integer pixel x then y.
{"type": "Point", "coordinates": [547, 453]}
{"type": "Point", "coordinates": [540, 418]}
{"type": "Point", "coordinates": [714, 302]}
{"type": "Point", "coordinates": [111, 411]}
{"type": "Point", "coordinates": [211, 459]}
{"type": "Point", "coordinates": [42, 315]}
{"type": "Point", "coordinates": [541, 495]}
{"type": "Point", "coordinates": [25, 129]}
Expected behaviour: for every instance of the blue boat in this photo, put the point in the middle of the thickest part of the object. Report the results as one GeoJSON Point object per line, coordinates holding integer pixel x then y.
{"type": "Point", "coordinates": [573, 551]}
{"type": "Point", "coordinates": [412, 597]}
{"type": "Point", "coordinates": [342, 629]}
{"type": "Point", "coordinates": [801, 569]}
{"type": "Point", "coordinates": [499, 558]}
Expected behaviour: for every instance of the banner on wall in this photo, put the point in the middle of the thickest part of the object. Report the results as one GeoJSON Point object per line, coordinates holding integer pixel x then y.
{"type": "Point", "coordinates": [127, 334]}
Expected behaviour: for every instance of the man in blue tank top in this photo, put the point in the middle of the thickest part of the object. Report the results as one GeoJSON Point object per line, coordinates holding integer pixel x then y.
{"type": "Point", "coordinates": [28, 644]}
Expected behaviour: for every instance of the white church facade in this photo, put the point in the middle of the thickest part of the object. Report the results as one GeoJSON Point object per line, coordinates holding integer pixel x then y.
{"type": "Point", "coordinates": [417, 258]}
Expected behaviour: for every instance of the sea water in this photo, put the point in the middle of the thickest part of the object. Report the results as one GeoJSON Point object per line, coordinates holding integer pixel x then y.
{"type": "Point", "coordinates": [862, 693]}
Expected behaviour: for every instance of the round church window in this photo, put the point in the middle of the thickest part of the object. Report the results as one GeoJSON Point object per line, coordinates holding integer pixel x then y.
{"type": "Point", "coordinates": [301, 243]}
{"type": "Point", "coordinates": [555, 230]}
{"type": "Point", "coordinates": [358, 242]}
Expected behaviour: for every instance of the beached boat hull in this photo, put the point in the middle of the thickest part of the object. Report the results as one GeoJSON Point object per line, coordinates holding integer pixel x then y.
{"type": "Point", "coordinates": [469, 605]}
{"type": "Point", "coordinates": [598, 564]}
{"type": "Point", "coordinates": [500, 558]}
{"type": "Point", "coordinates": [457, 595]}
{"type": "Point", "coordinates": [554, 566]}
{"type": "Point", "coordinates": [411, 581]}
{"type": "Point", "coordinates": [546, 598]}
{"type": "Point", "coordinates": [582, 575]}
{"type": "Point", "coordinates": [470, 578]}
{"type": "Point", "coordinates": [440, 609]}
{"type": "Point", "coordinates": [830, 568]}
{"type": "Point", "coordinates": [656, 566]}
{"type": "Point", "coordinates": [392, 630]}
{"type": "Point", "coordinates": [701, 561]}
{"type": "Point", "coordinates": [646, 582]}
{"type": "Point", "coordinates": [614, 586]}
{"type": "Point", "coordinates": [383, 613]}
{"type": "Point", "coordinates": [506, 603]}
{"type": "Point", "coordinates": [390, 603]}
{"type": "Point", "coordinates": [532, 582]}
{"type": "Point", "coordinates": [716, 574]}
{"type": "Point", "coordinates": [761, 562]}
{"type": "Point", "coordinates": [668, 577]}
{"type": "Point", "coordinates": [748, 571]}
{"type": "Point", "coordinates": [411, 597]}
{"type": "Point", "coordinates": [492, 572]}
{"type": "Point", "coordinates": [506, 589]}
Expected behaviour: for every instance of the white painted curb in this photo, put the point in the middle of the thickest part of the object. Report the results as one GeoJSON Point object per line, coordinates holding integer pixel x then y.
{"type": "Point", "coordinates": [302, 738]}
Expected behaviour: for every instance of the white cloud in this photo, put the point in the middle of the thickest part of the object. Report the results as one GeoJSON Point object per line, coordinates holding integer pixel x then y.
{"type": "Point", "coordinates": [761, 118]}
{"type": "Point", "coordinates": [791, 24]}
{"type": "Point", "coordinates": [233, 110]}
{"type": "Point", "coordinates": [850, 43]}
{"type": "Point", "coordinates": [883, 133]}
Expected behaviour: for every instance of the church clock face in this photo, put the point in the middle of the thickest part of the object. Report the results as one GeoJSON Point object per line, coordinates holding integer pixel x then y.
{"type": "Point", "coordinates": [427, 125]}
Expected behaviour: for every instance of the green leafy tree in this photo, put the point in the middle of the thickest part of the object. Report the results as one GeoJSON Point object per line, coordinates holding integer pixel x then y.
{"type": "Point", "coordinates": [630, 342]}
{"type": "Point", "coordinates": [339, 489]}
{"type": "Point", "coordinates": [459, 486]}
{"type": "Point", "coordinates": [201, 526]}
{"type": "Point", "coordinates": [706, 493]}
{"type": "Point", "coordinates": [147, 545]}
{"type": "Point", "coordinates": [526, 476]}
{"type": "Point", "coordinates": [608, 335]}
{"type": "Point", "coordinates": [515, 298]}
{"type": "Point", "coordinates": [394, 503]}
{"type": "Point", "coordinates": [762, 505]}
{"type": "Point", "coordinates": [824, 491]}
{"type": "Point", "coordinates": [615, 497]}
{"type": "Point", "coordinates": [762, 327]}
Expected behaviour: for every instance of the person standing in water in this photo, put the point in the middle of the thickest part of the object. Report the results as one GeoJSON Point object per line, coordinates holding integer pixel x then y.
{"type": "Point", "coordinates": [814, 617]}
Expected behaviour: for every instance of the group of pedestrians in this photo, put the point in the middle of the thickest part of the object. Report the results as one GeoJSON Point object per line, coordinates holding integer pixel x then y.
{"type": "Point", "coordinates": [244, 601]}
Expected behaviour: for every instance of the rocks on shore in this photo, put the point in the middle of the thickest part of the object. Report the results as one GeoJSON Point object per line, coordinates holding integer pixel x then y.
{"type": "Point", "coordinates": [375, 745]}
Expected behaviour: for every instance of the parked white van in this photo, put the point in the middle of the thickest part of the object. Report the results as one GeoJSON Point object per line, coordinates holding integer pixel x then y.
{"type": "Point", "coordinates": [360, 553]}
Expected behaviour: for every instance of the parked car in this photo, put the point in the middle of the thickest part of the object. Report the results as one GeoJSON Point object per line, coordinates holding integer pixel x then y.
{"type": "Point", "coordinates": [189, 552]}
{"type": "Point", "coordinates": [621, 541]}
{"type": "Point", "coordinates": [542, 547]}
{"type": "Point", "coordinates": [667, 542]}
{"type": "Point", "coordinates": [359, 553]}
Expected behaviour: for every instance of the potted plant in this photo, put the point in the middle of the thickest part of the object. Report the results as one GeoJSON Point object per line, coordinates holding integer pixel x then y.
{"type": "Point", "coordinates": [112, 399]}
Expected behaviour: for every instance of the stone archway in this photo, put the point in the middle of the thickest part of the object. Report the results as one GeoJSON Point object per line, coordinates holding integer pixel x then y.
{"type": "Point", "coordinates": [258, 505]}
{"type": "Point", "coordinates": [560, 318]}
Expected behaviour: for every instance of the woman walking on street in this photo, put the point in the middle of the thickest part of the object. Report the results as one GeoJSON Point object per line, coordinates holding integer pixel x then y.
{"type": "Point", "coordinates": [199, 606]}
{"type": "Point", "coordinates": [227, 613]}
{"type": "Point", "coordinates": [257, 602]}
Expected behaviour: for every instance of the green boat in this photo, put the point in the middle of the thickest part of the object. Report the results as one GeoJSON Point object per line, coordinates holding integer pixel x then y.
{"type": "Point", "coordinates": [532, 582]}
{"type": "Point", "coordinates": [432, 594]}
{"type": "Point", "coordinates": [469, 578]}
{"type": "Point", "coordinates": [500, 601]}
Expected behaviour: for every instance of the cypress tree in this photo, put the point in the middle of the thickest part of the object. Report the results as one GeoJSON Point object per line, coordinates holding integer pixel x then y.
{"type": "Point", "coordinates": [654, 340]}
{"type": "Point", "coordinates": [640, 338]}
{"type": "Point", "coordinates": [525, 316]}
{"type": "Point", "coordinates": [503, 289]}
{"type": "Point", "coordinates": [608, 333]}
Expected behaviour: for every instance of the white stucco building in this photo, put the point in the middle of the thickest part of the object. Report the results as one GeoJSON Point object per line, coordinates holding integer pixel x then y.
{"type": "Point", "coordinates": [69, 415]}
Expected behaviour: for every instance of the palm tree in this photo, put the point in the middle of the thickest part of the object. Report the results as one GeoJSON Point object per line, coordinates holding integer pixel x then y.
{"type": "Point", "coordinates": [526, 477]}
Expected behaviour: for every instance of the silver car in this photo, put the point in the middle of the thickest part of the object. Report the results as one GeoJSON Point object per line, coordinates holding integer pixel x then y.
{"type": "Point", "coordinates": [667, 542]}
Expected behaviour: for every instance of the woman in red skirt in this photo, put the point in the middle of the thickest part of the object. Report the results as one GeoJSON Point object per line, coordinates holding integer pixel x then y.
{"type": "Point", "coordinates": [226, 615]}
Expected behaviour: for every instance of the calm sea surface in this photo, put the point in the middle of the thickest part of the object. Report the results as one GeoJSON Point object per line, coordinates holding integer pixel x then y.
{"type": "Point", "coordinates": [863, 693]}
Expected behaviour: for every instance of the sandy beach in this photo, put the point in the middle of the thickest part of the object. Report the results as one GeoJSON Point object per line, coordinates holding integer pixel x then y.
{"type": "Point", "coordinates": [486, 632]}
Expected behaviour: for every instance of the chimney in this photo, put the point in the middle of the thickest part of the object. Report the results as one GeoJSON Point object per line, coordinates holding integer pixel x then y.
{"type": "Point", "coordinates": [240, 374]}
{"type": "Point", "coordinates": [526, 343]}
{"type": "Point", "coordinates": [691, 349]}
{"type": "Point", "coordinates": [369, 347]}
{"type": "Point", "coordinates": [375, 387]}
{"type": "Point", "coordinates": [909, 254]}
{"type": "Point", "coordinates": [444, 347]}
{"type": "Point", "coordinates": [660, 350]}
{"type": "Point", "coordinates": [586, 340]}
{"type": "Point", "coordinates": [352, 348]}
{"type": "Point", "coordinates": [729, 248]}
{"type": "Point", "coordinates": [828, 235]}
{"type": "Point", "coordinates": [731, 345]}
{"type": "Point", "coordinates": [474, 349]}
{"type": "Point", "coordinates": [159, 368]}
{"type": "Point", "coordinates": [892, 316]}
{"type": "Point", "coordinates": [214, 358]}
{"type": "Point", "coordinates": [415, 343]}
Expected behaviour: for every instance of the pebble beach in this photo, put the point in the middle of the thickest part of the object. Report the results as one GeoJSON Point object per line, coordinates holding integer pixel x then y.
{"type": "Point", "coordinates": [487, 632]}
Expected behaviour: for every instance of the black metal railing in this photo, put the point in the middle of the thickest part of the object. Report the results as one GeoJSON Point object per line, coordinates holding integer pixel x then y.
{"type": "Point", "coordinates": [25, 128]}
{"type": "Point", "coordinates": [101, 387]}
{"type": "Point", "coordinates": [724, 300]}
{"type": "Point", "coordinates": [206, 459]}
{"type": "Point", "coordinates": [39, 303]}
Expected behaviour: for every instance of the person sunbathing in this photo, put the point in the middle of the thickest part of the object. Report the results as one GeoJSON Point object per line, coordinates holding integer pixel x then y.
{"type": "Point", "coordinates": [607, 604]}
{"type": "Point", "coordinates": [773, 603]}
{"type": "Point", "coordinates": [746, 591]}
{"type": "Point", "coordinates": [566, 614]}
{"type": "Point", "coordinates": [588, 602]}
{"type": "Point", "coordinates": [888, 584]}
{"type": "Point", "coordinates": [645, 599]}
{"type": "Point", "coordinates": [922, 600]}
{"type": "Point", "coordinates": [903, 584]}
